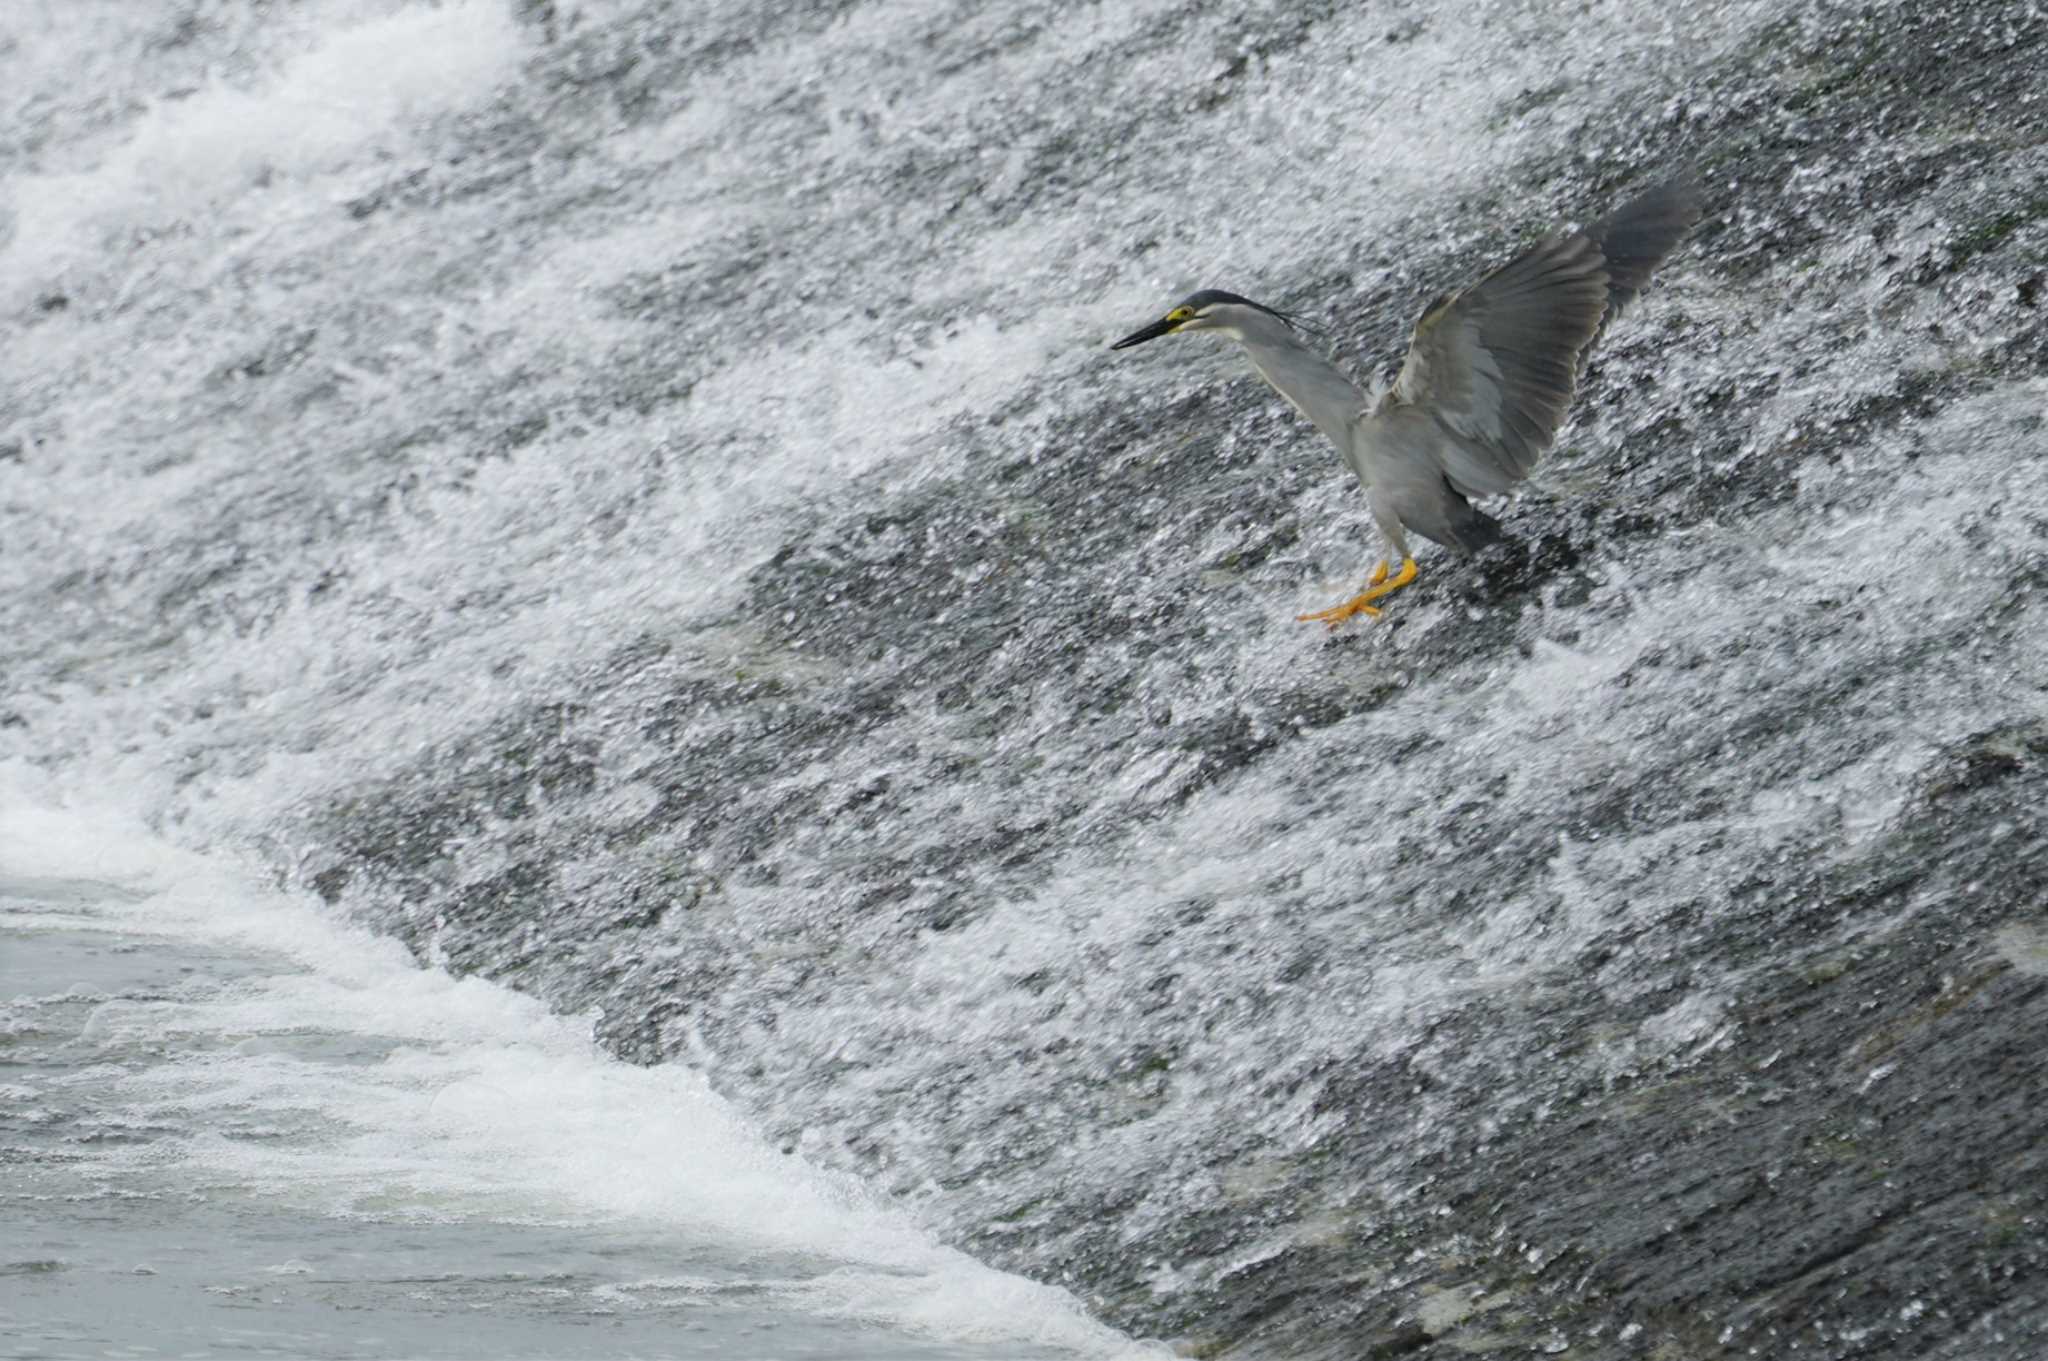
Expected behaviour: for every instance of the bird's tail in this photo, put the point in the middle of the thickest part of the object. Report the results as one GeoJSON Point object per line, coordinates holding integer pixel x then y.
{"type": "Point", "coordinates": [1468, 528]}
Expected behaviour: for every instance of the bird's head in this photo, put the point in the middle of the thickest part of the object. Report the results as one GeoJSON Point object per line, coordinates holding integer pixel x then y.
{"type": "Point", "coordinates": [1212, 309]}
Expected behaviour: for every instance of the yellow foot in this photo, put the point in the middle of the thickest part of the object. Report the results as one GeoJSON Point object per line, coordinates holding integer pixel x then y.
{"type": "Point", "coordinates": [1337, 614]}
{"type": "Point", "coordinates": [1379, 585]}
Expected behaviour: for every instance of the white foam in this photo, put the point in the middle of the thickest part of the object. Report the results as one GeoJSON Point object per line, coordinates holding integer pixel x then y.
{"type": "Point", "coordinates": [477, 1103]}
{"type": "Point", "coordinates": [347, 97]}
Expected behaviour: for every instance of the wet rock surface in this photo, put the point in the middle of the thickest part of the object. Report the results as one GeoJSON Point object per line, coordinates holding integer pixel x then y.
{"type": "Point", "coordinates": [1838, 1154]}
{"type": "Point", "coordinates": [1839, 1157]}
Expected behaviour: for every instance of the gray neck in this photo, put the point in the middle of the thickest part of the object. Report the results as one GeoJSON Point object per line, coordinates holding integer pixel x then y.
{"type": "Point", "coordinates": [1317, 388]}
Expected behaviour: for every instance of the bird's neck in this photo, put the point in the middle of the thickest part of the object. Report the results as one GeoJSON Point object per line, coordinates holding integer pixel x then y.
{"type": "Point", "coordinates": [1311, 384]}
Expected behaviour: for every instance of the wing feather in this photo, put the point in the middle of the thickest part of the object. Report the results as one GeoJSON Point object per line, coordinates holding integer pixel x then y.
{"type": "Point", "coordinates": [1636, 237]}
{"type": "Point", "coordinates": [1495, 365]}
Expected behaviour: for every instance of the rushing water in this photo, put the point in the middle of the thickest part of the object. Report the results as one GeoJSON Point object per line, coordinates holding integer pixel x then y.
{"type": "Point", "coordinates": [610, 532]}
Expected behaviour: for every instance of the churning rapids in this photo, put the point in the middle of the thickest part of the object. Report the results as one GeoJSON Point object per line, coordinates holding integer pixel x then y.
{"type": "Point", "coordinates": [615, 520]}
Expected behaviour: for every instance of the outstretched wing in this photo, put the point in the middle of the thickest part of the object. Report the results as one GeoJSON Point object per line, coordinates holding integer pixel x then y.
{"type": "Point", "coordinates": [1495, 365]}
{"type": "Point", "coordinates": [1635, 238]}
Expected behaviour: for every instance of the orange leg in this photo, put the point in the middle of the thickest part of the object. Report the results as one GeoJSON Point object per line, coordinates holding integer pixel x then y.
{"type": "Point", "coordinates": [1379, 585]}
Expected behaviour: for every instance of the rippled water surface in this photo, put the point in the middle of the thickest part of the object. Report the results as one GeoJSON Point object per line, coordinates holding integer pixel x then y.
{"type": "Point", "coordinates": [220, 1141]}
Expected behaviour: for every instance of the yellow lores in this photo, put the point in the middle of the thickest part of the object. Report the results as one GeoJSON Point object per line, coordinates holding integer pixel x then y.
{"type": "Point", "coordinates": [1488, 376]}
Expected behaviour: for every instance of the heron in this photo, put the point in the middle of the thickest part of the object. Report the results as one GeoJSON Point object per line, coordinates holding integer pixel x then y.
{"type": "Point", "coordinates": [1489, 373]}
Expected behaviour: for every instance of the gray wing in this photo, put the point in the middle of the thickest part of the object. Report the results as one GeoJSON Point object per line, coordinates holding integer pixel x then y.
{"type": "Point", "coordinates": [1635, 238]}
{"type": "Point", "coordinates": [1496, 364]}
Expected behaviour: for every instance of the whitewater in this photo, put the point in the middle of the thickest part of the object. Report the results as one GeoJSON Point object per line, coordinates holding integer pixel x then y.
{"type": "Point", "coordinates": [620, 734]}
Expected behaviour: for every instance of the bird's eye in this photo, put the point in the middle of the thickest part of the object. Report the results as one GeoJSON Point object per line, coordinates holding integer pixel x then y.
{"type": "Point", "coordinates": [1180, 314]}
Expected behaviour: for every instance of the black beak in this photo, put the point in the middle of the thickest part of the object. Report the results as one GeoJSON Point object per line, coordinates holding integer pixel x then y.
{"type": "Point", "coordinates": [1152, 332]}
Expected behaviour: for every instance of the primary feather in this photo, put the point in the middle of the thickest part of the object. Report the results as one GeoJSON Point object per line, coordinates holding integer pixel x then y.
{"type": "Point", "coordinates": [1496, 364]}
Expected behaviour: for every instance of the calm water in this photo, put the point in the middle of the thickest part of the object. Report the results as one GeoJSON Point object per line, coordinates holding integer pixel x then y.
{"type": "Point", "coordinates": [232, 1128]}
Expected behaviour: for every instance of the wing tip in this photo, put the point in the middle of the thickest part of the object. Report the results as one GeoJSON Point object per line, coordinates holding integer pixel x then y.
{"type": "Point", "coordinates": [1640, 235]}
